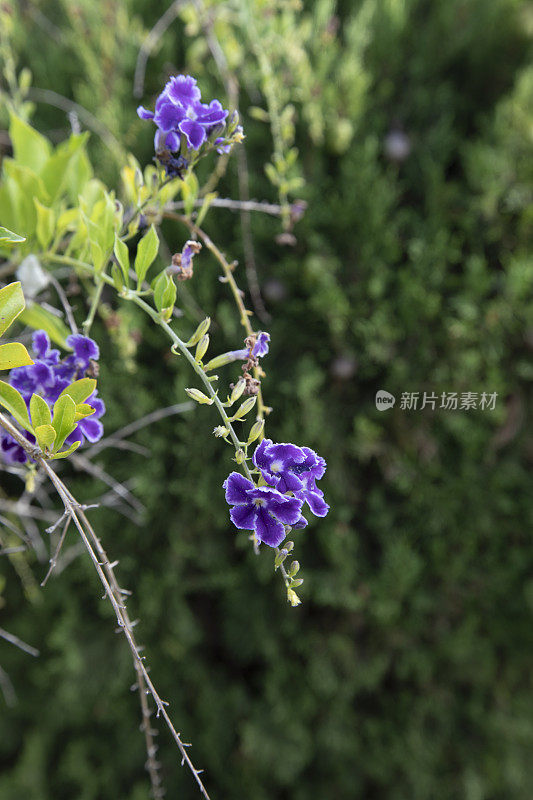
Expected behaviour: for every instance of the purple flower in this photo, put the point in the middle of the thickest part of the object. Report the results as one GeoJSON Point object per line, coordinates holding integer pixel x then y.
{"type": "Point", "coordinates": [259, 349]}
{"type": "Point", "coordinates": [261, 509]}
{"type": "Point", "coordinates": [293, 469]}
{"type": "Point", "coordinates": [180, 112]}
{"type": "Point", "coordinates": [48, 376]}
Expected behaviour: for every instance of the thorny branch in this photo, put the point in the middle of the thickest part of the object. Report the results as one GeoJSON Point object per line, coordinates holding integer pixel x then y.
{"type": "Point", "coordinates": [105, 570]}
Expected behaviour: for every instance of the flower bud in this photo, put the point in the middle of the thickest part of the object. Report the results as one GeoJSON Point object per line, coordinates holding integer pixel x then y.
{"type": "Point", "coordinates": [256, 430]}
{"type": "Point", "coordinates": [199, 396]}
{"type": "Point", "coordinates": [296, 582]}
{"type": "Point", "coordinates": [237, 390]}
{"type": "Point", "coordinates": [293, 569]}
{"type": "Point", "coordinates": [202, 328]}
{"type": "Point", "coordinates": [244, 408]}
{"type": "Point", "coordinates": [219, 361]}
{"type": "Point", "coordinates": [201, 347]}
{"type": "Point", "coordinates": [239, 456]}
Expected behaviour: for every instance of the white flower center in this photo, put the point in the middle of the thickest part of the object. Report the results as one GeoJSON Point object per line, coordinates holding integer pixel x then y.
{"type": "Point", "coordinates": [259, 502]}
{"type": "Point", "coordinates": [190, 114]}
{"type": "Point", "coordinates": [276, 466]}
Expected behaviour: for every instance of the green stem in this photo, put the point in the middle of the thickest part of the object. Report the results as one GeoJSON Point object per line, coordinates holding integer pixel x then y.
{"type": "Point", "coordinates": [86, 326]}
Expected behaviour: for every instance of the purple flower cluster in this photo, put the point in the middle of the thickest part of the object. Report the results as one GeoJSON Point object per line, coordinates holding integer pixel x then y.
{"type": "Point", "coordinates": [179, 113]}
{"type": "Point", "coordinates": [290, 473]}
{"type": "Point", "coordinates": [47, 377]}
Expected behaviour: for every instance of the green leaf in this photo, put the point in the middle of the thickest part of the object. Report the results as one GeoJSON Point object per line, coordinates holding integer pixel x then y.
{"type": "Point", "coordinates": [13, 402]}
{"type": "Point", "coordinates": [83, 410]}
{"type": "Point", "coordinates": [8, 237]}
{"type": "Point", "coordinates": [66, 453]}
{"type": "Point", "coordinates": [80, 390]}
{"type": "Point", "coordinates": [165, 293]}
{"type": "Point", "coordinates": [56, 173]}
{"type": "Point", "coordinates": [39, 318]}
{"type": "Point", "coordinates": [30, 148]}
{"type": "Point", "coordinates": [40, 411]}
{"type": "Point", "coordinates": [14, 355]}
{"type": "Point", "coordinates": [45, 224]}
{"type": "Point", "coordinates": [11, 304]}
{"type": "Point", "coordinates": [64, 418]}
{"type": "Point", "coordinates": [123, 257]}
{"type": "Point", "coordinates": [46, 436]}
{"type": "Point", "coordinates": [146, 253]}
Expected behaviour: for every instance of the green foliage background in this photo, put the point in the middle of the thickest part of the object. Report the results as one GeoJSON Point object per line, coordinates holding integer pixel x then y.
{"type": "Point", "coordinates": [406, 673]}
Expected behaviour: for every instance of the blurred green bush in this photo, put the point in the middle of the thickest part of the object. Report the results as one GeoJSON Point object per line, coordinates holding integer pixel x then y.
{"type": "Point", "coordinates": [406, 674]}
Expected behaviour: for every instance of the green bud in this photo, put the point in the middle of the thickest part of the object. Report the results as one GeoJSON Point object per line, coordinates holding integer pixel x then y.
{"type": "Point", "coordinates": [201, 347]}
{"type": "Point", "coordinates": [295, 582]}
{"type": "Point", "coordinates": [245, 407]}
{"type": "Point", "coordinates": [256, 430]}
{"type": "Point", "coordinates": [237, 390]}
{"type": "Point", "coordinates": [199, 396]}
{"type": "Point", "coordinates": [219, 361]}
{"type": "Point", "coordinates": [293, 569]}
{"type": "Point", "coordinates": [239, 456]}
{"type": "Point", "coordinates": [202, 329]}
{"type": "Point", "coordinates": [280, 558]}
{"type": "Point", "coordinates": [288, 546]}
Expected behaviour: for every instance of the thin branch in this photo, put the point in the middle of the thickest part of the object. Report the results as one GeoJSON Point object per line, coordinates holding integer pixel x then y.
{"type": "Point", "coordinates": [7, 689]}
{"type": "Point", "coordinates": [150, 42]}
{"type": "Point", "coordinates": [105, 571]}
{"type": "Point", "coordinates": [58, 101]}
{"type": "Point", "coordinates": [263, 206]}
{"type": "Point", "coordinates": [53, 560]}
{"type": "Point", "coordinates": [12, 639]}
{"type": "Point", "coordinates": [142, 422]}
{"type": "Point", "coordinates": [64, 302]}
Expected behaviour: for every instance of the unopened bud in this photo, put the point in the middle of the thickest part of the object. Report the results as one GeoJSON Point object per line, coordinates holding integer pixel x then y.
{"type": "Point", "coordinates": [239, 456]}
{"type": "Point", "coordinates": [256, 430]}
{"type": "Point", "coordinates": [202, 328]}
{"type": "Point", "coordinates": [237, 390]}
{"type": "Point", "coordinates": [199, 396]}
{"type": "Point", "coordinates": [244, 408]}
{"type": "Point", "coordinates": [201, 347]}
{"type": "Point", "coordinates": [295, 582]}
{"type": "Point", "coordinates": [293, 569]}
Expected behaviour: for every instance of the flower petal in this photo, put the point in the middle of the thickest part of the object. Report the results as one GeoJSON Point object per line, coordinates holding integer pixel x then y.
{"type": "Point", "coordinates": [91, 428]}
{"type": "Point", "coordinates": [144, 113]}
{"type": "Point", "coordinates": [168, 116]}
{"type": "Point", "coordinates": [213, 114]}
{"type": "Point", "coordinates": [268, 530]}
{"type": "Point", "coordinates": [236, 486]}
{"type": "Point", "coordinates": [182, 90]}
{"type": "Point", "coordinates": [194, 133]}
{"type": "Point", "coordinates": [243, 517]}
{"type": "Point", "coordinates": [316, 502]}
{"type": "Point", "coordinates": [84, 347]}
{"type": "Point", "coordinates": [261, 459]}
{"type": "Point", "coordinates": [288, 511]}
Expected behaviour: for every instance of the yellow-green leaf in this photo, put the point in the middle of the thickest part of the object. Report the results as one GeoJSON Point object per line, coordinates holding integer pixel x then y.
{"type": "Point", "coordinates": [46, 436]}
{"type": "Point", "coordinates": [11, 304]}
{"type": "Point", "coordinates": [66, 453]}
{"type": "Point", "coordinates": [80, 390]}
{"type": "Point", "coordinates": [63, 419]}
{"type": "Point", "coordinates": [8, 237]}
{"type": "Point", "coordinates": [146, 253]}
{"type": "Point", "coordinates": [30, 148]}
{"type": "Point", "coordinates": [13, 402]}
{"type": "Point", "coordinates": [13, 355]}
{"type": "Point", "coordinates": [40, 412]}
{"type": "Point", "coordinates": [45, 224]}
{"type": "Point", "coordinates": [83, 410]}
{"type": "Point", "coordinates": [39, 318]}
